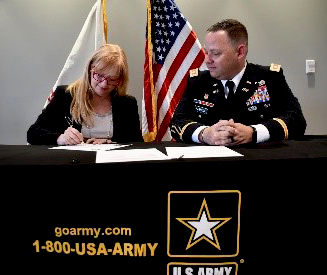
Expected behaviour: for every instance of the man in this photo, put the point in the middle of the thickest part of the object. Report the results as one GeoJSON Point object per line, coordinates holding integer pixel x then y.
{"type": "Point", "coordinates": [256, 106]}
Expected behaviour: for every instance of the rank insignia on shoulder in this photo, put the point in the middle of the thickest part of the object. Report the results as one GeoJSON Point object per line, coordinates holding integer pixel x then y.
{"type": "Point", "coordinates": [275, 67]}
{"type": "Point", "coordinates": [194, 72]}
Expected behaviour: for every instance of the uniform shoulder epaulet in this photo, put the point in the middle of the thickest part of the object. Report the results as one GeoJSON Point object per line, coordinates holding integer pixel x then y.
{"type": "Point", "coordinates": [194, 72]}
{"type": "Point", "coordinates": [275, 67]}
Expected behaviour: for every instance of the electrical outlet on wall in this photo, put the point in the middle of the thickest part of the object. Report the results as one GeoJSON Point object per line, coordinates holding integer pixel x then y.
{"type": "Point", "coordinates": [310, 66]}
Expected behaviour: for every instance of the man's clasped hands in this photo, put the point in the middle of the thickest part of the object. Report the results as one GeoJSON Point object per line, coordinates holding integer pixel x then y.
{"type": "Point", "coordinates": [227, 133]}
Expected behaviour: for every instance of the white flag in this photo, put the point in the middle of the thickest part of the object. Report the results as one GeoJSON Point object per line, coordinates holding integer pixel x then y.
{"type": "Point", "coordinates": [92, 36]}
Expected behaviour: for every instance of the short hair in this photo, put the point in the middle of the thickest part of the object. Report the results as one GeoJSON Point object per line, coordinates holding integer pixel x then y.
{"type": "Point", "coordinates": [235, 30]}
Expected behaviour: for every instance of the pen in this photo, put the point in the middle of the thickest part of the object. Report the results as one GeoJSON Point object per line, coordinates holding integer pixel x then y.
{"type": "Point", "coordinates": [70, 123]}
{"type": "Point", "coordinates": [180, 157]}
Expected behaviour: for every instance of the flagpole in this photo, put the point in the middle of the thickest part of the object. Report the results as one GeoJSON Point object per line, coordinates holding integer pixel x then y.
{"type": "Point", "coordinates": [151, 135]}
{"type": "Point", "coordinates": [104, 16]}
{"type": "Point", "coordinates": [169, 56]}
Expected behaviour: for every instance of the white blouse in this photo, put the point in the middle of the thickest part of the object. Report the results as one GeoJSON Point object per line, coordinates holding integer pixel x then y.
{"type": "Point", "coordinates": [102, 127]}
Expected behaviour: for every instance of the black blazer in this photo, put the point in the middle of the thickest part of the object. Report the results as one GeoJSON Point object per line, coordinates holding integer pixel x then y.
{"type": "Point", "coordinates": [51, 123]}
{"type": "Point", "coordinates": [261, 96]}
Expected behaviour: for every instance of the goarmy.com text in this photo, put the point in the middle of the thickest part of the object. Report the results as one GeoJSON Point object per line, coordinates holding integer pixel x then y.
{"type": "Point", "coordinates": [95, 232]}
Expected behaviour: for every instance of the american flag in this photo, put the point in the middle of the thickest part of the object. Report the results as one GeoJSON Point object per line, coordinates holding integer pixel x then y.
{"type": "Point", "coordinates": [171, 50]}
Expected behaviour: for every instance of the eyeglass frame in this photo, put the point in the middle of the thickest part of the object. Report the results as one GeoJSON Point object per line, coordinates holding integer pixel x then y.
{"type": "Point", "coordinates": [103, 78]}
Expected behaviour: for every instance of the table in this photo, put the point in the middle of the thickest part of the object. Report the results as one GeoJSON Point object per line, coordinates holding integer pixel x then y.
{"type": "Point", "coordinates": [266, 211]}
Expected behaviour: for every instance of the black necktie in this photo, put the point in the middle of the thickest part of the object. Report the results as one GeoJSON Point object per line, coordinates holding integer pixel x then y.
{"type": "Point", "coordinates": [230, 85]}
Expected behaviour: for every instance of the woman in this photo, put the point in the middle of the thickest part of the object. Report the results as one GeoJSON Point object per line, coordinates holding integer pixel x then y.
{"type": "Point", "coordinates": [93, 109]}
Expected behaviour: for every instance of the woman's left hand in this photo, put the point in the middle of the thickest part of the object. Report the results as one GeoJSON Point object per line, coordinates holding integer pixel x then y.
{"type": "Point", "coordinates": [98, 141]}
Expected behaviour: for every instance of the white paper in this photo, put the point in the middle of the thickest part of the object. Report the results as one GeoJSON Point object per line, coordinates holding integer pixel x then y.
{"type": "Point", "coordinates": [90, 147]}
{"type": "Point", "coordinates": [130, 155]}
{"type": "Point", "coordinates": [105, 152]}
{"type": "Point", "coordinates": [201, 152]}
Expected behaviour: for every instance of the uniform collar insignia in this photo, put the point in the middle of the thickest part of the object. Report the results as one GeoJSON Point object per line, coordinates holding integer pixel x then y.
{"type": "Point", "coordinates": [216, 88]}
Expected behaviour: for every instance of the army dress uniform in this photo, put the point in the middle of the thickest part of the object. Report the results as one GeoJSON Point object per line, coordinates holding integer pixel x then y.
{"type": "Point", "coordinates": [262, 97]}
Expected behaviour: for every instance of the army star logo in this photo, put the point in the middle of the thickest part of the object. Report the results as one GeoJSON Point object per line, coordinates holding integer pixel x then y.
{"type": "Point", "coordinates": [203, 227]}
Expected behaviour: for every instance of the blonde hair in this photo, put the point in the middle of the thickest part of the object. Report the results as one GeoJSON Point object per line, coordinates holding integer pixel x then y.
{"type": "Point", "coordinates": [108, 58]}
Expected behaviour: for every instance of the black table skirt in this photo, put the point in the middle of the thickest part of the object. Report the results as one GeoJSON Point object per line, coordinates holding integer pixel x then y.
{"type": "Point", "coordinates": [273, 199]}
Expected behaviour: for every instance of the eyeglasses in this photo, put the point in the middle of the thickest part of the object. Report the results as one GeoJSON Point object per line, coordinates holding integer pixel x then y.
{"type": "Point", "coordinates": [100, 78]}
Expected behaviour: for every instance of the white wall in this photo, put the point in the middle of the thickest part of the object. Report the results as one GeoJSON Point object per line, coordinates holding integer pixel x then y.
{"type": "Point", "coordinates": [36, 37]}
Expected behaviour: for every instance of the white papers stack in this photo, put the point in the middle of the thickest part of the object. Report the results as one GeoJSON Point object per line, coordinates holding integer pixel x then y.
{"type": "Point", "coordinates": [89, 147]}
{"type": "Point", "coordinates": [105, 152]}
{"type": "Point", "coordinates": [201, 152]}
{"type": "Point", "coordinates": [173, 153]}
{"type": "Point", "coordinates": [130, 155]}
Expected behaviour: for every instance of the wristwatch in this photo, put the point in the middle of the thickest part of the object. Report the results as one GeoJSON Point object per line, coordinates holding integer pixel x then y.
{"type": "Point", "coordinates": [200, 137]}
{"type": "Point", "coordinates": [254, 135]}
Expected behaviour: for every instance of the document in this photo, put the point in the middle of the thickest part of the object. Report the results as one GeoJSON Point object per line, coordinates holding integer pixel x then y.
{"type": "Point", "coordinates": [201, 152]}
{"type": "Point", "coordinates": [90, 147]}
{"type": "Point", "coordinates": [172, 153]}
{"type": "Point", "coordinates": [130, 155]}
{"type": "Point", "coordinates": [106, 152]}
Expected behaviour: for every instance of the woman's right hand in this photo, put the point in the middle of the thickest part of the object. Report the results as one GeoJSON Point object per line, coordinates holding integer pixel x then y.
{"type": "Point", "coordinates": [71, 136]}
